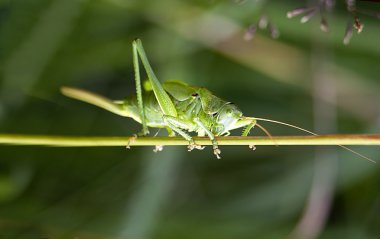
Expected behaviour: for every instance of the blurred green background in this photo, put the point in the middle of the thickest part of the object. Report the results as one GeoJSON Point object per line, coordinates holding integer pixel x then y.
{"type": "Point", "coordinates": [306, 77]}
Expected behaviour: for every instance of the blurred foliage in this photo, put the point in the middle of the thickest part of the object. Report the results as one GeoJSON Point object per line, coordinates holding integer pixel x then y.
{"type": "Point", "coordinates": [114, 193]}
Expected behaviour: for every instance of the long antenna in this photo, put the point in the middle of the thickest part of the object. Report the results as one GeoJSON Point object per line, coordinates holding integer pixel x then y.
{"type": "Point", "coordinates": [267, 133]}
{"type": "Point", "coordinates": [312, 133]}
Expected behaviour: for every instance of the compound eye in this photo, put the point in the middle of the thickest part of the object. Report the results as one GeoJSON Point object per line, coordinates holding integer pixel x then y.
{"type": "Point", "coordinates": [214, 114]}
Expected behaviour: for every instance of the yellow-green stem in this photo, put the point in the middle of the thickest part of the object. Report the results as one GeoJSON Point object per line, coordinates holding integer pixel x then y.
{"type": "Point", "coordinates": [100, 141]}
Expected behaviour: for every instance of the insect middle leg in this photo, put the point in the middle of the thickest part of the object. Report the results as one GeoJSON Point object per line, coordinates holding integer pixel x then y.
{"type": "Point", "coordinates": [177, 125]}
{"type": "Point", "coordinates": [211, 136]}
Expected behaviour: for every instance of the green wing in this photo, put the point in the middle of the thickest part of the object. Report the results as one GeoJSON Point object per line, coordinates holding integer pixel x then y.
{"type": "Point", "coordinates": [179, 89]}
{"type": "Point", "coordinates": [210, 103]}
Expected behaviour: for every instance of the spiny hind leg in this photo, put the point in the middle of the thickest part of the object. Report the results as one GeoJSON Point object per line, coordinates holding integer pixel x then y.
{"type": "Point", "coordinates": [177, 125]}
{"type": "Point", "coordinates": [144, 131]}
{"type": "Point", "coordinates": [211, 136]}
{"type": "Point", "coordinates": [140, 103]}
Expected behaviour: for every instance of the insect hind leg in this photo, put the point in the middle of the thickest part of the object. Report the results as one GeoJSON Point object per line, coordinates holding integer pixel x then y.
{"type": "Point", "coordinates": [144, 131]}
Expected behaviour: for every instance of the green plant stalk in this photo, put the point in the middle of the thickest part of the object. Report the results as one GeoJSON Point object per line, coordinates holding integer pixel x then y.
{"type": "Point", "coordinates": [98, 141]}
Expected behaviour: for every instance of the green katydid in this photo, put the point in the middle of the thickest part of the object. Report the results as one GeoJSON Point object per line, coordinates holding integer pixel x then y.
{"type": "Point", "coordinates": [178, 107]}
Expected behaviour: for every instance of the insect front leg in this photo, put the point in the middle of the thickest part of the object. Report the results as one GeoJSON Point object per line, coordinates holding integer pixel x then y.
{"type": "Point", "coordinates": [211, 136]}
{"type": "Point", "coordinates": [246, 132]}
{"type": "Point", "coordinates": [248, 128]}
{"type": "Point", "coordinates": [248, 123]}
{"type": "Point", "coordinates": [177, 125]}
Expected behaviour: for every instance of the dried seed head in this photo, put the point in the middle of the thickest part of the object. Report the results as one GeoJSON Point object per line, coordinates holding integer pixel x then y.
{"type": "Point", "coordinates": [351, 6]}
{"type": "Point", "coordinates": [263, 22]}
{"type": "Point", "coordinates": [308, 16]}
{"type": "Point", "coordinates": [329, 4]}
{"type": "Point", "coordinates": [274, 32]}
{"type": "Point", "coordinates": [358, 25]}
{"type": "Point", "coordinates": [250, 33]}
{"type": "Point", "coordinates": [324, 25]}
{"type": "Point", "coordinates": [297, 11]}
{"type": "Point", "coordinates": [348, 33]}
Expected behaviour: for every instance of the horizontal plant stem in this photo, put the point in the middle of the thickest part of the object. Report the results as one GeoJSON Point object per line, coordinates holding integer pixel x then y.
{"type": "Point", "coordinates": [98, 141]}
